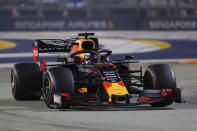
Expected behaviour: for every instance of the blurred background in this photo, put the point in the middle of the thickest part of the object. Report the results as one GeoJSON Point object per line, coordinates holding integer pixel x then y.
{"type": "Point", "coordinates": [133, 21]}
{"type": "Point", "coordinates": [98, 14]}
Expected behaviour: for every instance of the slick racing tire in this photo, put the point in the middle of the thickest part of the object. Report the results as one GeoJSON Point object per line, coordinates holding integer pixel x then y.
{"type": "Point", "coordinates": [158, 77]}
{"type": "Point", "coordinates": [58, 80]}
{"type": "Point", "coordinates": [26, 81]}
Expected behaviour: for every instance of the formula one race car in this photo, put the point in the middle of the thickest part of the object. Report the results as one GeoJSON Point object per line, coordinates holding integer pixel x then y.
{"type": "Point", "coordinates": [86, 76]}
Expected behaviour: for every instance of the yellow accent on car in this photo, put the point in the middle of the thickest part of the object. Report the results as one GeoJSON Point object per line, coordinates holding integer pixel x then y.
{"type": "Point", "coordinates": [82, 90]}
{"type": "Point", "coordinates": [82, 41]}
{"type": "Point", "coordinates": [80, 48]}
{"type": "Point", "coordinates": [116, 89]}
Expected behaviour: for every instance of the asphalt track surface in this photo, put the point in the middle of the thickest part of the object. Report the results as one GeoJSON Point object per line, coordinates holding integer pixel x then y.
{"type": "Point", "coordinates": [35, 116]}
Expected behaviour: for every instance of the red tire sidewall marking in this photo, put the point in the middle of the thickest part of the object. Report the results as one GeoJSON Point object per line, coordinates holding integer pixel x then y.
{"type": "Point", "coordinates": [153, 78]}
{"type": "Point", "coordinates": [51, 89]}
{"type": "Point", "coordinates": [14, 80]}
{"type": "Point", "coordinates": [14, 88]}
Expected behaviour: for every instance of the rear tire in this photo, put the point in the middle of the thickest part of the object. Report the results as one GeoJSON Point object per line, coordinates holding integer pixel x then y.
{"type": "Point", "coordinates": [158, 77]}
{"type": "Point", "coordinates": [57, 80]}
{"type": "Point", "coordinates": [26, 81]}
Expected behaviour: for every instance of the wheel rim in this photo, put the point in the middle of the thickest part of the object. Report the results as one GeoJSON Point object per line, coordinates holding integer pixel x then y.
{"type": "Point", "coordinates": [13, 85]}
{"type": "Point", "coordinates": [47, 89]}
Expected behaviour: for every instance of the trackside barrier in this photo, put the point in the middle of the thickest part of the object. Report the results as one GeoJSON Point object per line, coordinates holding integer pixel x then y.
{"type": "Point", "coordinates": [121, 23]}
{"type": "Point", "coordinates": [34, 24]}
{"type": "Point", "coordinates": [171, 24]}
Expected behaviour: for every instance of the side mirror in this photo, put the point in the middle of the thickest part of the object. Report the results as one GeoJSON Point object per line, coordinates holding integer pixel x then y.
{"type": "Point", "coordinates": [129, 56]}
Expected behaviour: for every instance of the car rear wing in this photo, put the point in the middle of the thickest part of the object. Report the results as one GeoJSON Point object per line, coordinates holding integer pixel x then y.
{"type": "Point", "coordinates": [57, 45]}
{"type": "Point", "coordinates": [49, 46]}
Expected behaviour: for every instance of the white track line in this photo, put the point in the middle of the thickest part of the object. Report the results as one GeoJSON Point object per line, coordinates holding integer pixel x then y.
{"type": "Point", "coordinates": [14, 55]}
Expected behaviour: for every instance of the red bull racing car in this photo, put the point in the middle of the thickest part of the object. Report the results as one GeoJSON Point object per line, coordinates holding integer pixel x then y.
{"type": "Point", "coordinates": [87, 77]}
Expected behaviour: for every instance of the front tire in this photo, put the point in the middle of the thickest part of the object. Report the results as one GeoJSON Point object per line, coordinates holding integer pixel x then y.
{"type": "Point", "coordinates": [57, 80]}
{"type": "Point", "coordinates": [158, 77]}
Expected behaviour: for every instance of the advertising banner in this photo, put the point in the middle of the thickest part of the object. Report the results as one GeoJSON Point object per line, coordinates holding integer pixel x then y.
{"type": "Point", "coordinates": [33, 24]}
{"type": "Point", "coordinates": [172, 24]}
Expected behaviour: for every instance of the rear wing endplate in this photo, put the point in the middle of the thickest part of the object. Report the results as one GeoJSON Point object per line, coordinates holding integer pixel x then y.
{"type": "Point", "coordinates": [49, 46]}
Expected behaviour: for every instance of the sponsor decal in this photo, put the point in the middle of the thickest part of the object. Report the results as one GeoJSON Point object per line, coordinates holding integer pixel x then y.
{"type": "Point", "coordinates": [58, 42]}
{"type": "Point", "coordinates": [111, 76]}
{"type": "Point", "coordinates": [62, 24]}
{"type": "Point", "coordinates": [124, 23]}
{"type": "Point", "coordinates": [172, 24]}
{"type": "Point", "coordinates": [39, 25]}
{"type": "Point", "coordinates": [117, 89]}
{"type": "Point", "coordinates": [95, 24]}
{"type": "Point", "coordinates": [35, 53]}
{"type": "Point", "coordinates": [57, 99]}
{"type": "Point", "coordinates": [86, 70]}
